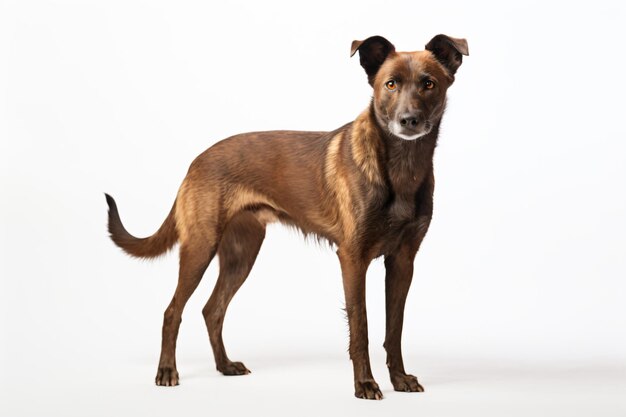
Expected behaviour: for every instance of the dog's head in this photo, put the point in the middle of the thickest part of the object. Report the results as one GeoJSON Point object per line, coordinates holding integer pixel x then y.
{"type": "Point", "coordinates": [410, 87]}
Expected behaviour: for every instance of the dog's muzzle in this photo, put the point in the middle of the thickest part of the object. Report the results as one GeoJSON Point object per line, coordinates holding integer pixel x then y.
{"type": "Point", "coordinates": [409, 126]}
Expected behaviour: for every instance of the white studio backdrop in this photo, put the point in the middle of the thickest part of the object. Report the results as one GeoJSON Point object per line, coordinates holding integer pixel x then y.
{"type": "Point", "coordinates": [523, 264]}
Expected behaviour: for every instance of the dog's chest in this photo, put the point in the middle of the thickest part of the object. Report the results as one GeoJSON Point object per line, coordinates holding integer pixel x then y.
{"type": "Point", "coordinates": [392, 219]}
{"type": "Point", "coordinates": [403, 199]}
{"type": "Point", "coordinates": [406, 171]}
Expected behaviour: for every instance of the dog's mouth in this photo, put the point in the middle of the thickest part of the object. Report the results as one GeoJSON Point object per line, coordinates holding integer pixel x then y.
{"type": "Point", "coordinates": [409, 133]}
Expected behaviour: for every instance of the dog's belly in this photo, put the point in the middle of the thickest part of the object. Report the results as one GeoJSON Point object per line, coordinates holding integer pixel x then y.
{"type": "Point", "coordinates": [267, 215]}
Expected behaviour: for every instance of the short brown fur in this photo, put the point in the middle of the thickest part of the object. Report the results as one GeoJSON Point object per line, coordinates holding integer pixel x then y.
{"type": "Point", "coordinates": [366, 187]}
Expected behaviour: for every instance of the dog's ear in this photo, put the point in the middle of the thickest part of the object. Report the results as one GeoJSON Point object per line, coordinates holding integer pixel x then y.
{"type": "Point", "coordinates": [372, 52]}
{"type": "Point", "coordinates": [449, 51]}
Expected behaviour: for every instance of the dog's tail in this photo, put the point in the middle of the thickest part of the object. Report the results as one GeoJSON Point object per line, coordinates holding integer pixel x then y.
{"type": "Point", "coordinates": [149, 247]}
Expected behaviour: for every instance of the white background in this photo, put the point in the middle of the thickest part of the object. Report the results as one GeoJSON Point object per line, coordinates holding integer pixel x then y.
{"type": "Point", "coordinates": [518, 302]}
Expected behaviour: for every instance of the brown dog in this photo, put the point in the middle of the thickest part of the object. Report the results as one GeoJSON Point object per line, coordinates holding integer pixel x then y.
{"type": "Point", "coordinates": [366, 187]}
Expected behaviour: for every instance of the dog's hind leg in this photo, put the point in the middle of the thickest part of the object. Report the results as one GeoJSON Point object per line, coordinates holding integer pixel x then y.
{"type": "Point", "coordinates": [237, 252]}
{"type": "Point", "coordinates": [195, 256]}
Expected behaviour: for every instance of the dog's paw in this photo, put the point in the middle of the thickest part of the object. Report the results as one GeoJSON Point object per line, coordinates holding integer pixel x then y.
{"type": "Point", "coordinates": [406, 383]}
{"type": "Point", "coordinates": [233, 368]}
{"type": "Point", "coordinates": [167, 377]}
{"type": "Point", "coordinates": [368, 390]}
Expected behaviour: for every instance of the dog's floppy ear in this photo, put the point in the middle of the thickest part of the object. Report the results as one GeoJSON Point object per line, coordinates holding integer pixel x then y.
{"type": "Point", "coordinates": [449, 51]}
{"type": "Point", "coordinates": [372, 52]}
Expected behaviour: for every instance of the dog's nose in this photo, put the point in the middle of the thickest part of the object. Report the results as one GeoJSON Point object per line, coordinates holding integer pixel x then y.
{"type": "Point", "coordinates": [409, 120]}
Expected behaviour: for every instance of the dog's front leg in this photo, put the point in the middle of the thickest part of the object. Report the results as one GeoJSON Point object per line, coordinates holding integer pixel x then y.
{"type": "Point", "coordinates": [398, 278]}
{"type": "Point", "coordinates": [399, 273]}
{"type": "Point", "coordinates": [353, 269]}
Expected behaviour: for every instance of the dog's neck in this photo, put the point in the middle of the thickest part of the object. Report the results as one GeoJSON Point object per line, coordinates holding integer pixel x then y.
{"type": "Point", "coordinates": [379, 154]}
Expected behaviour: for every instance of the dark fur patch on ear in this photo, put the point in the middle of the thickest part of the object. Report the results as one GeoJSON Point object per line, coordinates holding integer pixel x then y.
{"type": "Point", "coordinates": [372, 53]}
{"type": "Point", "coordinates": [449, 51]}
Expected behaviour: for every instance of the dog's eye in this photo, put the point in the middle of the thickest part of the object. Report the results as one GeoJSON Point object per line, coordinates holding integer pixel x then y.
{"type": "Point", "coordinates": [429, 84]}
{"type": "Point", "coordinates": [391, 85]}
